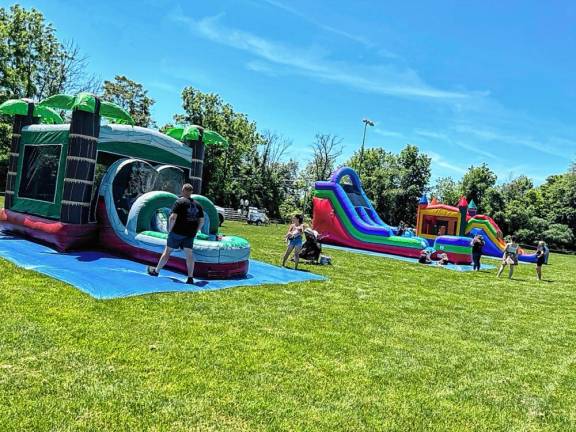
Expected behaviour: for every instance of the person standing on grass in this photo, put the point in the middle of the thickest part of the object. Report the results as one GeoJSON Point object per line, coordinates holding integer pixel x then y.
{"type": "Point", "coordinates": [510, 257]}
{"type": "Point", "coordinates": [540, 258]}
{"type": "Point", "coordinates": [294, 239]}
{"type": "Point", "coordinates": [186, 218]}
{"type": "Point", "coordinates": [477, 244]}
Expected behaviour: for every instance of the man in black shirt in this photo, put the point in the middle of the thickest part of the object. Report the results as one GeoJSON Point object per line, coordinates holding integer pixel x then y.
{"type": "Point", "coordinates": [186, 219]}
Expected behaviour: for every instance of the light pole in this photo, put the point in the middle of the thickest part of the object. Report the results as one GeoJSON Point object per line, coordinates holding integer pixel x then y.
{"type": "Point", "coordinates": [367, 123]}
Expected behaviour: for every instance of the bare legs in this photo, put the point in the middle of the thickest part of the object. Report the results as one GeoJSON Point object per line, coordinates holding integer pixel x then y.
{"type": "Point", "coordinates": [297, 250]}
{"type": "Point", "coordinates": [287, 254]}
{"type": "Point", "coordinates": [510, 270]}
{"type": "Point", "coordinates": [189, 261]}
{"type": "Point", "coordinates": [289, 250]}
{"type": "Point", "coordinates": [539, 272]}
{"type": "Point", "coordinates": [164, 258]}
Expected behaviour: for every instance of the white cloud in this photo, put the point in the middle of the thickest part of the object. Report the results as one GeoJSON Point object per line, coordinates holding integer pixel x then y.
{"type": "Point", "coordinates": [431, 134]}
{"type": "Point", "coordinates": [309, 19]}
{"type": "Point", "coordinates": [455, 142]}
{"type": "Point", "coordinates": [164, 86]}
{"type": "Point", "coordinates": [440, 161]}
{"type": "Point", "coordinates": [383, 79]}
{"type": "Point", "coordinates": [557, 147]}
{"type": "Point", "coordinates": [388, 133]}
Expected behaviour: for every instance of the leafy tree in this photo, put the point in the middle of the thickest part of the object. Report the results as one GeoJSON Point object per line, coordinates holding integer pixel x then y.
{"type": "Point", "coordinates": [33, 62]}
{"type": "Point", "coordinates": [380, 178]}
{"type": "Point", "coordinates": [559, 235]}
{"type": "Point", "coordinates": [252, 167]}
{"type": "Point", "coordinates": [326, 149]}
{"type": "Point", "coordinates": [394, 182]}
{"type": "Point", "coordinates": [559, 193]}
{"type": "Point", "coordinates": [476, 182]}
{"type": "Point", "coordinates": [131, 96]}
{"type": "Point", "coordinates": [226, 173]}
{"type": "Point", "coordinates": [414, 177]}
{"type": "Point", "coordinates": [494, 201]}
{"type": "Point", "coordinates": [516, 188]}
{"type": "Point", "coordinates": [447, 190]}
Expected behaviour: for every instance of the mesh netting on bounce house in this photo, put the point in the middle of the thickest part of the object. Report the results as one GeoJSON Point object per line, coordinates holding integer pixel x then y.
{"type": "Point", "coordinates": [83, 184]}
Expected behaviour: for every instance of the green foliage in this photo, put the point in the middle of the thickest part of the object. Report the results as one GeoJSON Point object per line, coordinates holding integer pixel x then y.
{"type": "Point", "coordinates": [560, 235]}
{"type": "Point", "coordinates": [381, 345]}
{"type": "Point", "coordinates": [494, 201]}
{"type": "Point", "coordinates": [476, 182]}
{"type": "Point", "coordinates": [251, 167]}
{"type": "Point", "coordinates": [289, 208]}
{"type": "Point", "coordinates": [5, 139]}
{"type": "Point", "coordinates": [33, 62]}
{"type": "Point", "coordinates": [447, 190]}
{"type": "Point", "coordinates": [394, 182]}
{"type": "Point", "coordinates": [131, 96]}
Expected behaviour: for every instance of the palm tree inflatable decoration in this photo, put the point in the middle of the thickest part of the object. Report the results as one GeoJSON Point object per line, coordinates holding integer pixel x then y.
{"type": "Point", "coordinates": [197, 137]}
{"type": "Point", "coordinates": [14, 107]}
{"type": "Point", "coordinates": [88, 103]}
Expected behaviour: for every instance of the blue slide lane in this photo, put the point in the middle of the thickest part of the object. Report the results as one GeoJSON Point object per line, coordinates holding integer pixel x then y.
{"type": "Point", "coordinates": [382, 229]}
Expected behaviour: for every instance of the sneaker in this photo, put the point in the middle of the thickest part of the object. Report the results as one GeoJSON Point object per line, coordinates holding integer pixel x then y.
{"type": "Point", "coordinates": [190, 281]}
{"type": "Point", "coordinates": [152, 271]}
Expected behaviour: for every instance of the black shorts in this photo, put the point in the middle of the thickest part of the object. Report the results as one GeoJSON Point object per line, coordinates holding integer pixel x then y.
{"type": "Point", "coordinates": [177, 241]}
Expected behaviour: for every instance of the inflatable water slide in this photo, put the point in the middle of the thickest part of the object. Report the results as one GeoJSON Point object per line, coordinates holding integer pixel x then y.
{"type": "Point", "coordinates": [344, 216]}
{"type": "Point", "coordinates": [133, 217]}
{"type": "Point", "coordinates": [86, 184]}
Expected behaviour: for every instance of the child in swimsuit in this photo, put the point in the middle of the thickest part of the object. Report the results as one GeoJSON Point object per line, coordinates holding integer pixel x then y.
{"type": "Point", "coordinates": [294, 239]}
{"type": "Point", "coordinates": [510, 257]}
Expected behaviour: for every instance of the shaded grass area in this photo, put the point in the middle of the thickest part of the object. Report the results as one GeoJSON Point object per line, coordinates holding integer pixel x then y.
{"type": "Point", "coordinates": [382, 345]}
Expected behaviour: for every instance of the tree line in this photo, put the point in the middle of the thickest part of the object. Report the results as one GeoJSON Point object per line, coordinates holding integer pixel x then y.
{"type": "Point", "coordinates": [35, 64]}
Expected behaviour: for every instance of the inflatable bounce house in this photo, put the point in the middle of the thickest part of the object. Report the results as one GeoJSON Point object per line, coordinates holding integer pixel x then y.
{"type": "Point", "coordinates": [87, 184]}
{"type": "Point", "coordinates": [344, 216]}
{"type": "Point", "coordinates": [436, 220]}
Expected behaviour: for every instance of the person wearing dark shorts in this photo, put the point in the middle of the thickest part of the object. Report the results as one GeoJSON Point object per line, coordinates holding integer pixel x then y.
{"type": "Point", "coordinates": [186, 218]}
{"type": "Point", "coordinates": [540, 258]}
{"type": "Point", "coordinates": [477, 245]}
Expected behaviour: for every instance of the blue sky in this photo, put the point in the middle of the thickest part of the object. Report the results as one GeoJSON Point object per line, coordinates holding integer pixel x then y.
{"type": "Point", "coordinates": [467, 82]}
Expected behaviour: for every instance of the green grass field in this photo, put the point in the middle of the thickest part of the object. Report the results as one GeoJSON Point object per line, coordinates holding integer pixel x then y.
{"type": "Point", "coordinates": [382, 345]}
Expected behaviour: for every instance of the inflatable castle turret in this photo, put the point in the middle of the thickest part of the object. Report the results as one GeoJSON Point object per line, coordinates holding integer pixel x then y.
{"type": "Point", "coordinates": [463, 208]}
{"type": "Point", "coordinates": [422, 204]}
{"type": "Point", "coordinates": [472, 210]}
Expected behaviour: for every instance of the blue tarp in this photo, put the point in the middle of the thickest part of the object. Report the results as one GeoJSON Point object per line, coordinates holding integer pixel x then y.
{"type": "Point", "coordinates": [455, 267]}
{"type": "Point", "coordinates": [105, 276]}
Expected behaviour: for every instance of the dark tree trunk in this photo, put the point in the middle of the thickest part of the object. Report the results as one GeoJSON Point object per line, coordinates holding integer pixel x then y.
{"type": "Point", "coordinates": [197, 165]}
{"type": "Point", "coordinates": [80, 166]}
{"type": "Point", "coordinates": [18, 123]}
